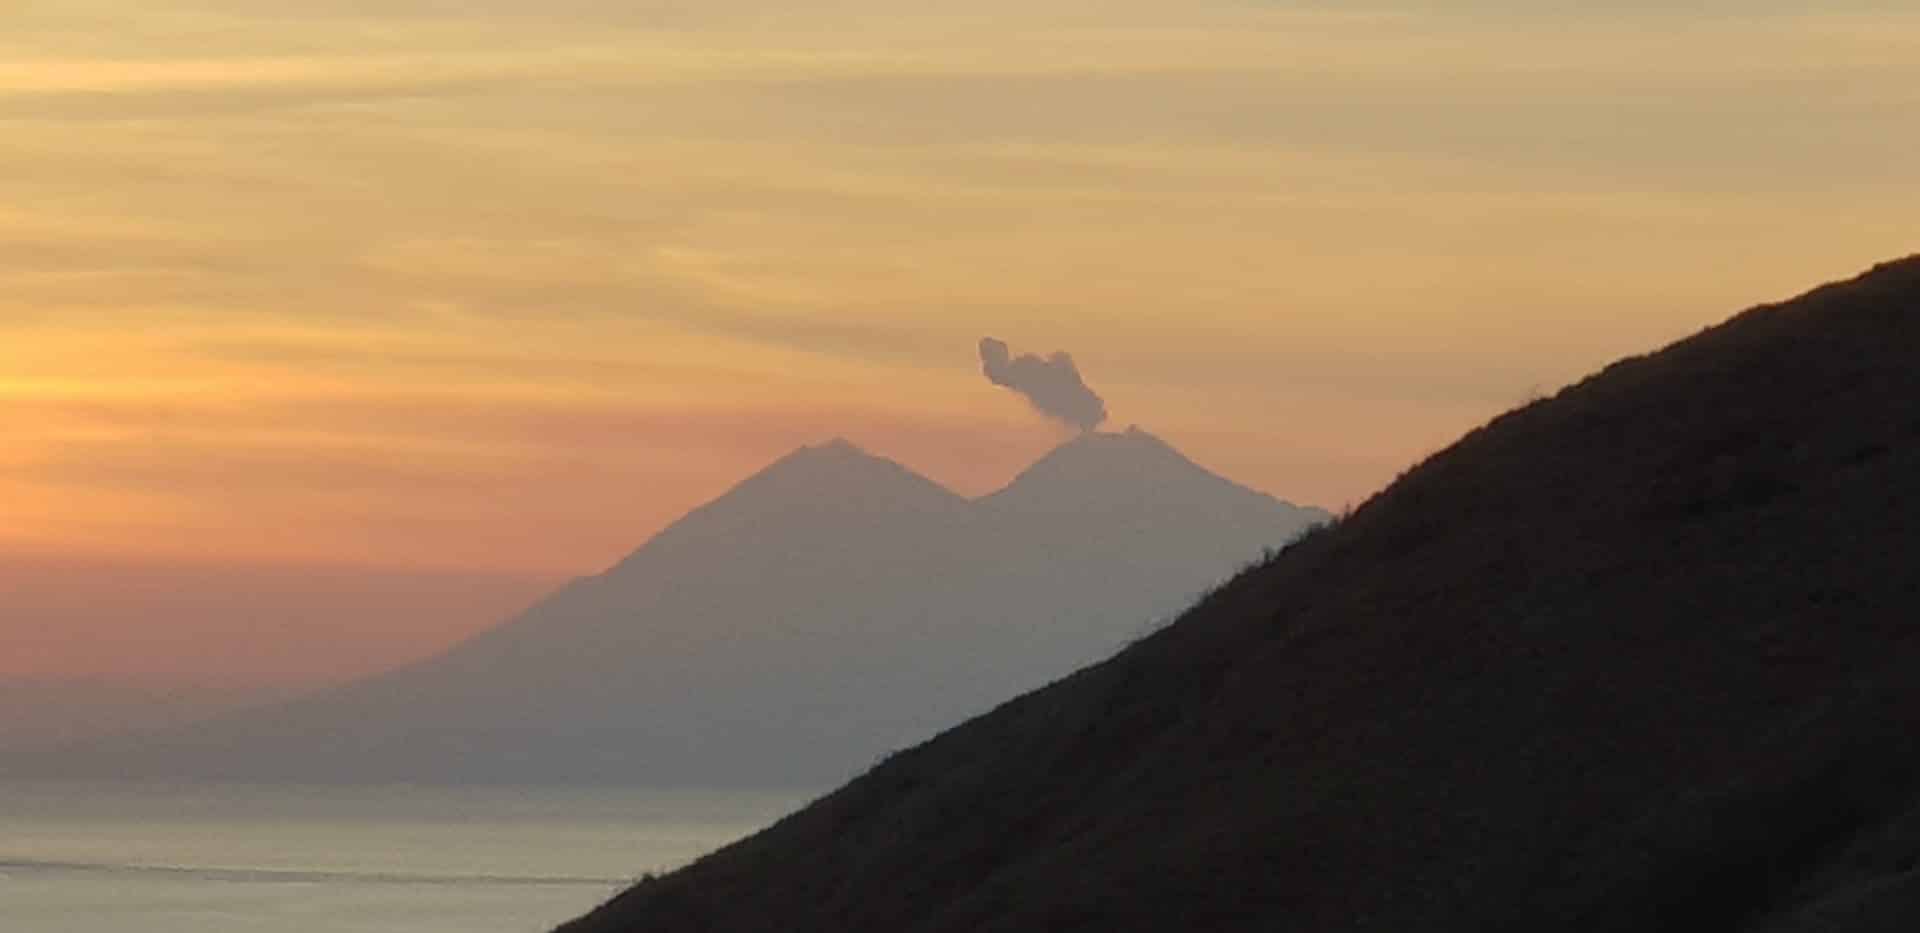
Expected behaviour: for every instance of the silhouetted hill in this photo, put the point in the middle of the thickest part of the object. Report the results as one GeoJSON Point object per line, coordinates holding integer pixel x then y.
{"type": "Point", "coordinates": [1098, 468]}
{"type": "Point", "coordinates": [1643, 656]}
{"type": "Point", "coordinates": [824, 495]}
{"type": "Point", "coordinates": [831, 608]}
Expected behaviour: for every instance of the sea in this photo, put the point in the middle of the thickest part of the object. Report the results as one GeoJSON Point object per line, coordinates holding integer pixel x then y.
{"type": "Point", "coordinates": [220, 858]}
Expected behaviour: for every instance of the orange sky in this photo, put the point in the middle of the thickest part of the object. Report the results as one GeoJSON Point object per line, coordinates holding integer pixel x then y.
{"type": "Point", "coordinates": [495, 294]}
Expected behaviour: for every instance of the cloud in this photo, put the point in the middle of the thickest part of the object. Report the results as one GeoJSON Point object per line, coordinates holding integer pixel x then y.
{"type": "Point", "coordinates": [1051, 384]}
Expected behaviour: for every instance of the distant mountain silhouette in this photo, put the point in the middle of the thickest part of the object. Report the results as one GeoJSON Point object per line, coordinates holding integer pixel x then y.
{"type": "Point", "coordinates": [39, 712]}
{"type": "Point", "coordinates": [1641, 657]}
{"type": "Point", "coordinates": [831, 608]}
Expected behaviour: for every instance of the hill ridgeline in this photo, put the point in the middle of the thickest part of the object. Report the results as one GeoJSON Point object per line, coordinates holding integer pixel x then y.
{"type": "Point", "coordinates": [1644, 656]}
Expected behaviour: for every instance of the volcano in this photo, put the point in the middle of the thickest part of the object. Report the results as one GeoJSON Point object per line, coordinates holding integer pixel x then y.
{"type": "Point", "coordinates": [827, 610]}
{"type": "Point", "coordinates": [1642, 656]}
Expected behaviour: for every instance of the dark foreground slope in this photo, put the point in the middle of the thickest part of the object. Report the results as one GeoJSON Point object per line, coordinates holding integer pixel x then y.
{"type": "Point", "coordinates": [1644, 656]}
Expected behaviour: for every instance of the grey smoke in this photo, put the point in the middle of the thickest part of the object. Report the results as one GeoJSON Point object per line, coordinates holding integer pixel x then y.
{"type": "Point", "coordinates": [1052, 384]}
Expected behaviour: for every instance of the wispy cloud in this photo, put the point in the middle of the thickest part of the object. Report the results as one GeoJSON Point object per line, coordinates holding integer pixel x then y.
{"type": "Point", "coordinates": [544, 247]}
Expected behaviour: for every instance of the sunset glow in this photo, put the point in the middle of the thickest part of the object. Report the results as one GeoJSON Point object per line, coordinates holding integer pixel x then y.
{"type": "Point", "coordinates": [497, 296]}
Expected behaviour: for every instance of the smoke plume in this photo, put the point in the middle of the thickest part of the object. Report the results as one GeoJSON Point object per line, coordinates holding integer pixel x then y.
{"type": "Point", "coordinates": [1051, 384]}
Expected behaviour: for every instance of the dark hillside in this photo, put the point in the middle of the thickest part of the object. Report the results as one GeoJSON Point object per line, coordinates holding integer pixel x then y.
{"type": "Point", "coordinates": [1643, 656]}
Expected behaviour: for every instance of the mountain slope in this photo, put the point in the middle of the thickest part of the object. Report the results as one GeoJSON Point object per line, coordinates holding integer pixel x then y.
{"type": "Point", "coordinates": [826, 610]}
{"type": "Point", "coordinates": [1639, 657]}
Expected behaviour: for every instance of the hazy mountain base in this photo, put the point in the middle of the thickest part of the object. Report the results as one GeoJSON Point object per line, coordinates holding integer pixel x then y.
{"type": "Point", "coordinates": [832, 608]}
{"type": "Point", "coordinates": [40, 712]}
{"type": "Point", "coordinates": [1638, 657]}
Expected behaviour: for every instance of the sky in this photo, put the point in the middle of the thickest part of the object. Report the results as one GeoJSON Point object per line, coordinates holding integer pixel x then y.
{"type": "Point", "coordinates": [332, 331]}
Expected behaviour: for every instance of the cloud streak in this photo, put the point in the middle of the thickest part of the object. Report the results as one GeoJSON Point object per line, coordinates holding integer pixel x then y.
{"type": "Point", "coordinates": [493, 243]}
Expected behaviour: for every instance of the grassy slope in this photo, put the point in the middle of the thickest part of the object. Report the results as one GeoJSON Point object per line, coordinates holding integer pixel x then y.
{"type": "Point", "coordinates": [1639, 656]}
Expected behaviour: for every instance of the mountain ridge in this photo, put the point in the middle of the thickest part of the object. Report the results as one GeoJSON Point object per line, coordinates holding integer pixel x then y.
{"type": "Point", "coordinates": [829, 607]}
{"type": "Point", "coordinates": [1635, 657]}
{"type": "Point", "coordinates": [1073, 468]}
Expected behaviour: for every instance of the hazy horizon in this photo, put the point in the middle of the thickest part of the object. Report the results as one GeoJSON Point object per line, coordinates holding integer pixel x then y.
{"type": "Point", "coordinates": [392, 316]}
{"type": "Point", "coordinates": [278, 617]}
{"type": "Point", "coordinates": [831, 608]}
{"type": "Point", "coordinates": [1090, 464]}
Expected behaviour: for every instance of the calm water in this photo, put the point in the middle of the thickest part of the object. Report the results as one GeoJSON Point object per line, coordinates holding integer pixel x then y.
{"type": "Point", "coordinates": [227, 859]}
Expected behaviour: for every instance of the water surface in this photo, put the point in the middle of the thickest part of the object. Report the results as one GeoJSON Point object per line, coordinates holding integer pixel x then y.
{"type": "Point", "coordinates": [199, 858]}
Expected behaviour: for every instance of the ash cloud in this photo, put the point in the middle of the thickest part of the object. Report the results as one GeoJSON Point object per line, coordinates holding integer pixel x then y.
{"type": "Point", "coordinates": [1052, 384]}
